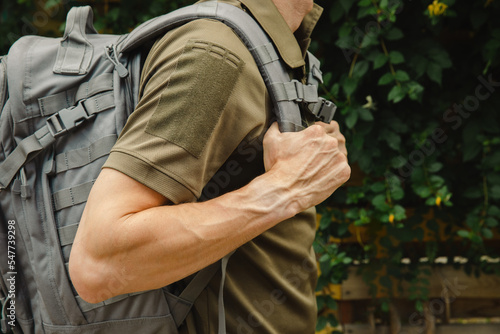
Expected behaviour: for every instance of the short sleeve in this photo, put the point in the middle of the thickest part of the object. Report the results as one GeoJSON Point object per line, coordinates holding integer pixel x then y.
{"type": "Point", "coordinates": [201, 96]}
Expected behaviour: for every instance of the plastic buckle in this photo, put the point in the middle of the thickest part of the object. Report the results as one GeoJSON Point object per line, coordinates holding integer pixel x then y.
{"type": "Point", "coordinates": [67, 119]}
{"type": "Point", "coordinates": [324, 110]}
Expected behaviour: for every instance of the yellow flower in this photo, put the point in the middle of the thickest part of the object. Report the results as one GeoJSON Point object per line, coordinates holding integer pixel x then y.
{"type": "Point", "coordinates": [391, 218]}
{"type": "Point", "coordinates": [437, 8]}
{"type": "Point", "coordinates": [438, 201]}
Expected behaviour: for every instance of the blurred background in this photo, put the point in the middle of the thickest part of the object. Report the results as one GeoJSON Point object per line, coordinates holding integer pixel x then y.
{"type": "Point", "coordinates": [411, 243]}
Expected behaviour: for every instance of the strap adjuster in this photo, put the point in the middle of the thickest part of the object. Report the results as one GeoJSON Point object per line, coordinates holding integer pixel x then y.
{"type": "Point", "coordinates": [67, 119]}
{"type": "Point", "coordinates": [324, 110]}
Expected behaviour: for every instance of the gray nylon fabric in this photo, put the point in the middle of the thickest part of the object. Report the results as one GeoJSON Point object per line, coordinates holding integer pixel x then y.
{"type": "Point", "coordinates": [67, 234]}
{"type": "Point", "coordinates": [85, 155]}
{"type": "Point", "coordinates": [63, 103]}
{"type": "Point", "coordinates": [71, 196]}
{"type": "Point", "coordinates": [295, 91]}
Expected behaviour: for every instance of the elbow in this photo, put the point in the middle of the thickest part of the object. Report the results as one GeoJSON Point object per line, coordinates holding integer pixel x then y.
{"type": "Point", "coordinates": [89, 280]}
{"type": "Point", "coordinates": [83, 277]}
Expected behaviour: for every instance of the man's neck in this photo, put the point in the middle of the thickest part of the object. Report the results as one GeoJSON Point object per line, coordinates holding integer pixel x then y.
{"type": "Point", "coordinates": [293, 11]}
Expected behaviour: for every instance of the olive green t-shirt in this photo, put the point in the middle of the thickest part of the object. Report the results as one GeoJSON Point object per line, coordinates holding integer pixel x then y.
{"type": "Point", "coordinates": [197, 133]}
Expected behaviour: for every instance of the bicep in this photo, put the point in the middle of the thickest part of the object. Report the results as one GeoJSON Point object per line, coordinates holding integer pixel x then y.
{"type": "Point", "coordinates": [115, 196]}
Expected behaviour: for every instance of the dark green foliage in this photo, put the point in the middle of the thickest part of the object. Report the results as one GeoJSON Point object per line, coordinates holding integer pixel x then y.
{"type": "Point", "coordinates": [418, 99]}
{"type": "Point", "coordinates": [35, 17]}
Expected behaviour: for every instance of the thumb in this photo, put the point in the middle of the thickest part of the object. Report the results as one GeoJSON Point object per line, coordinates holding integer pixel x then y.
{"type": "Point", "coordinates": [274, 128]}
{"type": "Point", "coordinates": [270, 145]}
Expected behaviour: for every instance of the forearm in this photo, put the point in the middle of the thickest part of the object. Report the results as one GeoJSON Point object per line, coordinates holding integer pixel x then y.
{"type": "Point", "coordinates": [131, 241]}
{"type": "Point", "coordinates": [167, 243]}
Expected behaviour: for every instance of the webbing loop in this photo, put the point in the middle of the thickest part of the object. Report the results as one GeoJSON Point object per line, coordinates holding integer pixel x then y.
{"type": "Point", "coordinates": [295, 91]}
{"type": "Point", "coordinates": [75, 52]}
{"type": "Point", "coordinates": [266, 53]}
{"type": "Point", "coordinates": [208, 8]}
{"type": "Point", "coordinates": [72, 196]}
{"type": "Point", "coordinates": [53, 103]}
{"type": "Point", "coordinates": [67, 234]}
{"type": "Point", "coordinates": [85, 155]}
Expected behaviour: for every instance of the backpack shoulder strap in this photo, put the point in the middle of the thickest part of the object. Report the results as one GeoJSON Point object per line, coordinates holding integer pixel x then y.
{"type": "Point", "coordinates": [271, 66]}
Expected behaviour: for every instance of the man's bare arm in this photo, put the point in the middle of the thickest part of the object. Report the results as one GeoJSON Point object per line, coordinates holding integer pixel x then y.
{"type": "Point", "coordinates": [130, 239]}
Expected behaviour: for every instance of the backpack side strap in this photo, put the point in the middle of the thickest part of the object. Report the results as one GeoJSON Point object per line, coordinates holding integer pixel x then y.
{"type": "Point", "coordinates": [181, 305]}
{"type": "Point", "coordinates": [56, 125]}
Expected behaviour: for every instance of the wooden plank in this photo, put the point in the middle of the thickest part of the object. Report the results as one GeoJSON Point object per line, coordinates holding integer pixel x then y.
{"type": "Point", "coordinates": [462, 311]}
{"type": "Point", "coordinates": [445, 283]}
{"type": "Point", "coordinates": [444, 329]}
{"type": "Point", "coordinates": [475, 308]}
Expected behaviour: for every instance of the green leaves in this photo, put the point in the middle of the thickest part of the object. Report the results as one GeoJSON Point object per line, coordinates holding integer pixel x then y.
{"type": "Point", "coordinates": [380, 60]}
{"type": "Point", "coordinates": [396, 57]}
{"type": "Point", "coordinates": [352, 118]}
{"type": "Point", "coordinates": [394, 34]}
{"type": "Point", "coordinates": [419, 110]}
{"type": "Point", "coordinates": [401, 76]}
{"type": "Point", "coordinates": [386, 79]}
{"type": "Point", "coordinates": [396, 94]}
{"type": "Point", "coordinates": [350, 85]}
{"type": "Point", "coordinates": [431, 60]}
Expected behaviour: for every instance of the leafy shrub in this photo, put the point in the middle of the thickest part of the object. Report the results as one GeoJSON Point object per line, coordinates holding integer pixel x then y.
{"type": "Point", "coordinates": [417, 85]}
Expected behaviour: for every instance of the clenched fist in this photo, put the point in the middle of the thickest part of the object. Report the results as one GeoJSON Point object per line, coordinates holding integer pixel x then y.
{"type": "Point", "coordinates": [311, 163]}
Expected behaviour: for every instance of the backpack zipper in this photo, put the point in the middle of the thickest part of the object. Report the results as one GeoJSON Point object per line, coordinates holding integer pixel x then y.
{"type": "Point", "coordinates": [111, 55]}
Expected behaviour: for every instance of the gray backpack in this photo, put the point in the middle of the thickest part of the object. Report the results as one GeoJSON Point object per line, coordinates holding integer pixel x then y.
{"type": "Point", "coordinates": [63, 103]}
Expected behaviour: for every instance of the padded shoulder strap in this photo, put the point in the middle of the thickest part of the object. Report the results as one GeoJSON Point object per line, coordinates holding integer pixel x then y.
{"type": "Point", "coordinates": [271, 66]}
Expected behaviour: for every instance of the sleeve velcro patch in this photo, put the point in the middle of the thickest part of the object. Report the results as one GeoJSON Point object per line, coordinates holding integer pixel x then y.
{"type": "Point", "coordinates": [197, 93]}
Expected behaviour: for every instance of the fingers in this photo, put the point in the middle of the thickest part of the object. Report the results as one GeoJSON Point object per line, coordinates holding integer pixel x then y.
{"type": "Point", "coordinates": [311, 162]}
{"type": "Point", "coordinates": [333, 129]}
